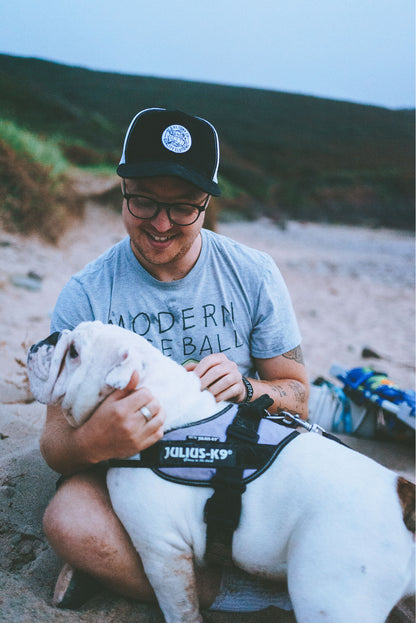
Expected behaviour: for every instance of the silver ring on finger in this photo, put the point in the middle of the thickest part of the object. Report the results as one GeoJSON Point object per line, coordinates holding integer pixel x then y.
{"type": "Point", "coordinates": [146, 413]}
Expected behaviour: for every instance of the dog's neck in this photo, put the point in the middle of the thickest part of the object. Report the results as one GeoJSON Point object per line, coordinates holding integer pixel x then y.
{"type": "Point", "coordinates": [179, 393]}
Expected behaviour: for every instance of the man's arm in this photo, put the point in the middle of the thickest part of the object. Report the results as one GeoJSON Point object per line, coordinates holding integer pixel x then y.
{"type": "Point", "coordinates": [284, 378]}
{"type": "Point", "coordinates": [116, 429]}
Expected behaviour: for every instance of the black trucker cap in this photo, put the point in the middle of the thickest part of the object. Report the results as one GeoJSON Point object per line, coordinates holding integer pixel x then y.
{"type": "Point", "coordinates": [171, 142]}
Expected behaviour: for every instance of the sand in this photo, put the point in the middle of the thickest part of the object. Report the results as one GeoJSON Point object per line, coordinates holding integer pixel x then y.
{"type": "Point", "coordinates": [350, 287]}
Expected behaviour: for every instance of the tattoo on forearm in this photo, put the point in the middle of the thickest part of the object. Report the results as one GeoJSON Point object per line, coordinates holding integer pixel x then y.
{"type": "Point", "coordinates": [279, 390]}
{"type": "Point", "coordinates": [295, 354]}
{"type": "Point", "coordinates": [298, 391]}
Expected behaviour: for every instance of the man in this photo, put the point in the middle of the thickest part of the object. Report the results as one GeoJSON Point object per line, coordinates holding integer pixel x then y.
{"type": "Point", "coordinates": [213, 305]}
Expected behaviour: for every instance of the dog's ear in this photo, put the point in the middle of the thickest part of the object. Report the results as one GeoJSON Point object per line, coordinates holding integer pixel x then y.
{"type": "Point", "coordinates": [120, 374]}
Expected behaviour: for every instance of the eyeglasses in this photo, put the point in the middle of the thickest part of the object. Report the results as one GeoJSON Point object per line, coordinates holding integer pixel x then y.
{"type": "Point", "coordinates": [144, 207]}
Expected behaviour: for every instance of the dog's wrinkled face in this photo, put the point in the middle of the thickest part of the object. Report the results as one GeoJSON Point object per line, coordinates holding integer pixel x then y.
{"type": "Point", "coordinates": [69, 368]}
{"type": "Point", "coordinates": [44, 363]}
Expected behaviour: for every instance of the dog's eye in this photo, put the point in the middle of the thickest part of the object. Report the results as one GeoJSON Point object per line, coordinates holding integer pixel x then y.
{"type": "Point", "coordinates": [73, 353]}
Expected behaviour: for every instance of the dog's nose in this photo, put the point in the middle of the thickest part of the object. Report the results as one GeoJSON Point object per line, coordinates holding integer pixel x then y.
{"type": "Point", "coordinates": [51, 340]}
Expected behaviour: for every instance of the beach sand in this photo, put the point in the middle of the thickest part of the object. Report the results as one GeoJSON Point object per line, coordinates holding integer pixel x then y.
{"type": "Point", "coordinates": [350, 287]}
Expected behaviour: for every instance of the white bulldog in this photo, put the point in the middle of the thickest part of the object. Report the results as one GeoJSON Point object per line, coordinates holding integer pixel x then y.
{"type": "Point", "coordinates": [332, 521]}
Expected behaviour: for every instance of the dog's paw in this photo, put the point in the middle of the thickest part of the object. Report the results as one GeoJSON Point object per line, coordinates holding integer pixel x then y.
{"type": "Point", "coordinates": [120, 374]}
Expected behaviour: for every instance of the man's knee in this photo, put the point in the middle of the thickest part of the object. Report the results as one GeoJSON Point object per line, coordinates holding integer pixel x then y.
{"type": "Point", "coordinates": [76, 511]}
{"type": "Point", "coordinates": [85, 532]}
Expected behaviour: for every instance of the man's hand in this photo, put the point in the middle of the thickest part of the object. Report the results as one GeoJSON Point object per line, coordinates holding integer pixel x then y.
{"type": "Point", "coordinates": [118, 428]}
{"type": "Point", "coordinates": [220, 376]}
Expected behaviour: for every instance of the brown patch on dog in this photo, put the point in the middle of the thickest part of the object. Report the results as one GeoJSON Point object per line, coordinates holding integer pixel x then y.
{"type": "Point", "coordinates": [406, 492]}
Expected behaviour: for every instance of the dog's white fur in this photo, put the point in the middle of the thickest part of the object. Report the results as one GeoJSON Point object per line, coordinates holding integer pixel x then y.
{"type": "Point", "coordinates": [326, 517]}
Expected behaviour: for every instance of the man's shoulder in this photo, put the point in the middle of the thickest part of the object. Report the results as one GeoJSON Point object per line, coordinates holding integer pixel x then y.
{"type": "Point", "coordinates": [226, 246]}
{"type": "Point", "coordinates": [108, 260]}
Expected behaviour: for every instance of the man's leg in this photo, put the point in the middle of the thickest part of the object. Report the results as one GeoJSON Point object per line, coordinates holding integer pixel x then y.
{"type": "Point", "coordinates": [85, 532]}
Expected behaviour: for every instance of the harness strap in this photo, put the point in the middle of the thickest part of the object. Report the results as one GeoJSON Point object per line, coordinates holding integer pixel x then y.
{"type": "Point", "coordinates": [223, 509]}
{"type": "Point", "coordinates": [196, 453]}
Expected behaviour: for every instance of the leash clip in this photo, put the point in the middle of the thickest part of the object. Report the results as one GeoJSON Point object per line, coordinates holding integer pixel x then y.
{"type": "Point", "coordinates": [292, 420]}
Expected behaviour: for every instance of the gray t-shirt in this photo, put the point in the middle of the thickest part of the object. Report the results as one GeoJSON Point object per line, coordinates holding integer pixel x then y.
{"type": "Point", "coordinates": [234, 300]}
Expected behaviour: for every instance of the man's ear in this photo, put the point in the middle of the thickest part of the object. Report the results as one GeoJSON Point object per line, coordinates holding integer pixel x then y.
{"type": "Point", "coordinates": [120, 374]}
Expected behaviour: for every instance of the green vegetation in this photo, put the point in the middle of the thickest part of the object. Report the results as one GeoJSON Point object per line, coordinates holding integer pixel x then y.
{"type": "Point", "coordinates": [45, 151]}
{"type": "Point", "coordinates": [283, 155]}
{"type": "Point", "coordinates": [35, 195]}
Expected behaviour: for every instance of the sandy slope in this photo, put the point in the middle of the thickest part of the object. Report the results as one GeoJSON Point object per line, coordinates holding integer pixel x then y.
{"type": "Point", "coordinates": [350, 287]}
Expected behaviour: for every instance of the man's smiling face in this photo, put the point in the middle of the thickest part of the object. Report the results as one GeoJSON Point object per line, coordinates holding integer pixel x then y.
{"type": "Point", "coordinates": [166, 250]}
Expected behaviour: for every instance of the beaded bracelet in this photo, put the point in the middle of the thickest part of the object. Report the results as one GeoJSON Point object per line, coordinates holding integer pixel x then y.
{"type": "Point", "coordinates": [249, 389]}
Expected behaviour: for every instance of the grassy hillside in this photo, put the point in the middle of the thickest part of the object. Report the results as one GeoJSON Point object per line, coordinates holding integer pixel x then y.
{"type": "Point", "coordinates": [282, 154]}
{"type": "Point", "coordinates": [35, 194]}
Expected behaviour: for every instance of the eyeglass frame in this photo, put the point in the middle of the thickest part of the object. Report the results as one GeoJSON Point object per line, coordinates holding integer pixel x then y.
{"type": "Point", "coordinates": [167, 206]}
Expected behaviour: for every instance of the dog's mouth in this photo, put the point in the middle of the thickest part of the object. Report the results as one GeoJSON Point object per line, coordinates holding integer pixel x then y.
{"type": "Point", "coordinates": [69, 416]}
{"type": "Point", "coordinates": [67, 412]}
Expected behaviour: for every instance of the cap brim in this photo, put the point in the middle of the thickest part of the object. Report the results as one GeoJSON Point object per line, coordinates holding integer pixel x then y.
{"type": "Point", "coordinates": [152, 169]}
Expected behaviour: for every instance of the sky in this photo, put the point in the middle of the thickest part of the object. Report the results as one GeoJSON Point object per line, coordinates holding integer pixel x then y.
{"type": "Point", "coordinates": [355, 50]}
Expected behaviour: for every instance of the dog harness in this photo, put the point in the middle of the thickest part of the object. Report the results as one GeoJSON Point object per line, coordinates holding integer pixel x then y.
{"type": "Point", "coordinates": [224, 452]}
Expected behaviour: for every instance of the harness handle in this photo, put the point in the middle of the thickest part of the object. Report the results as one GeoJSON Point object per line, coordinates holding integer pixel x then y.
{"type": "Point", "coordinates": [223, 509]}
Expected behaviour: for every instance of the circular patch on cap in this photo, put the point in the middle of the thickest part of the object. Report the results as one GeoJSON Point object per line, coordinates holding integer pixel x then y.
{"type": "Point", "coordinates": [176, 138]}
